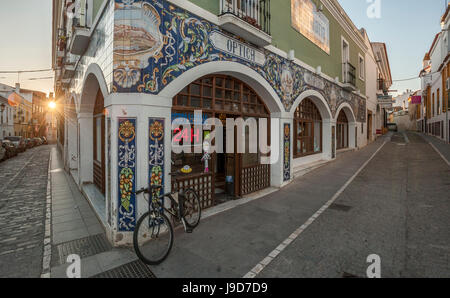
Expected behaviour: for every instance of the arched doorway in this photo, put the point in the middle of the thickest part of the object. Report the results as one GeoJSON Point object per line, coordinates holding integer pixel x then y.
{"type": "Point", "coordinates": [342, 135]}
{"type": "Point", "coordinates": [229, 175]}
{"type": "Point", "coordinates": [99, 164]}
{"type": "Point", "coordinates": [308, 129]}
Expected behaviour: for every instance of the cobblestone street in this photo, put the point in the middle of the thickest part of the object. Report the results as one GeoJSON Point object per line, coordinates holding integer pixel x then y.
{"type": "Point", "coordinates": [22, 212]}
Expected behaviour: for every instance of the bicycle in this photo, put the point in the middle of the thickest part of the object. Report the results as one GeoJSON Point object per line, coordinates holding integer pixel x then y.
{"type": "Point", "coordinates": [153, 236]}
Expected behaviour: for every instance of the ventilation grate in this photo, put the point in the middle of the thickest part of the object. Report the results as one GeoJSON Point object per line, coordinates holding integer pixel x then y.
{"type": "Point", "coordinates": [84, 247]}
{"type": "Point", "coordinates": [135, 269]}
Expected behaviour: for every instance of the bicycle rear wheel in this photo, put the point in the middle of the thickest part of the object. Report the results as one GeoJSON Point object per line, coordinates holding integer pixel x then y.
{"type": "Point", "coordinates": [191, 208]}
{"type": "Point", "coordinates": [153, 238]}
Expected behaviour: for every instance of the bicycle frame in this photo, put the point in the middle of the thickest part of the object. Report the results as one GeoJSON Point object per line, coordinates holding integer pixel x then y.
{"type": "Point", "coordinates": [154, 204]}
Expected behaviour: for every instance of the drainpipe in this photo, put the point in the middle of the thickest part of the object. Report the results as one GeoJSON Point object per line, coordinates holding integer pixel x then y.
{"type": "Point", "coordinates": [446, 117]}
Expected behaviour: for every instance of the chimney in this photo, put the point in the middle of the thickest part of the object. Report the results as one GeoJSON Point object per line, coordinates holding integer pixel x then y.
{"type": "Point", "coordinates": [17, 87]}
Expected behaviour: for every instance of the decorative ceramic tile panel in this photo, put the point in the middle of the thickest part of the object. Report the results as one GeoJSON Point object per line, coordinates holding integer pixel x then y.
{"type": "Point", "coordinates": [287, 152]}
{"type": "Point", "coordinates": [155, 42]}
{"type": "Point", "coordinates": [127, 174]}
{"type": "Point", "coordinates": [156, 154]}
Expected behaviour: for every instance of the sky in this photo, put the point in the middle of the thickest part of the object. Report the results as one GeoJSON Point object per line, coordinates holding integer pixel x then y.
{"type": "Point", "coordinates": [406, 26]}
{"type": "Point", "coordinates": [26, 42]}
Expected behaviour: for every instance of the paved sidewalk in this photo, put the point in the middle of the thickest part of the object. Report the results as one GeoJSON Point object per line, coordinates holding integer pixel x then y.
{"type": "Point", "coordinates": [441, 146]}
{"type": "Point", "coordinates": [77, 230]}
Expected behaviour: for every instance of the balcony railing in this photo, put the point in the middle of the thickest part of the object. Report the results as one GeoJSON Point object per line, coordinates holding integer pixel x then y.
{"type": "Point", "coordinates": [349, 74]}
{"type": "Point", "coordinates": [254, 12]}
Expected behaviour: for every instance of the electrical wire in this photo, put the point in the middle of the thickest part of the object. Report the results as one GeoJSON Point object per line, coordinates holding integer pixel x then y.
{"type": "Point", "coordinates": [414, 78]}
{"type": "Point", "coordinates": [36, 79]}
{"type": "Point", "coordinates": [24, 71]}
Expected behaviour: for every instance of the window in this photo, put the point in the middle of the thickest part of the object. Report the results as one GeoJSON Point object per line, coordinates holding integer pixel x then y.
{"type": "Point", "coordinates": [438, 102]}
{"type": "Point", "coordinates": [362, 68]}
{"type": "Point", "coordinates": [220, 97]}
{"type": "Point", "coordinates": [311, 23]}
{"type": "Point", "coordinates": [308, 129]}
{"type": "Point", "coordinates": [432, 106]}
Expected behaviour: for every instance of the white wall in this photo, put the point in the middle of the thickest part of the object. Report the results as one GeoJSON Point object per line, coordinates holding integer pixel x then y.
{"type": "Point", "coordinates": [371, 92]}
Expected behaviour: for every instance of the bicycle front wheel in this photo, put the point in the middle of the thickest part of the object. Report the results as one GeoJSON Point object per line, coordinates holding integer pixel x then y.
{"type": "Point", "coordinates": [153, 238]}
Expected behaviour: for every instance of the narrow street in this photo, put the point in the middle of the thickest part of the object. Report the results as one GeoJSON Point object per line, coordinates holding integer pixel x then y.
{"type": "Point", "coordinates": [397, 208]}
{"type": "Point", "coordinates": [22, 212]}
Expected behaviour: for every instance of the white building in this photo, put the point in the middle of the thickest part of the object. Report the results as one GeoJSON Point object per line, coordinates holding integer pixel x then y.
{"type": "Point", "coordinates": [123, 76]}
{"type": "Point", "coordinates": [435, 84]}
{"type": "Point", "coordinates": [402, 100]}
{"type": "Point", "coordinates": [378, 81]}
{"type": "Point", "coordinates": [6, 118]}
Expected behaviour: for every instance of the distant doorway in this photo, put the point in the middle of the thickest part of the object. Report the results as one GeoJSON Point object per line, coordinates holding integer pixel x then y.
{"type": "Point", "coordinates": [342, 131]}
{"type": "Point", "coordinates": [369, 126]}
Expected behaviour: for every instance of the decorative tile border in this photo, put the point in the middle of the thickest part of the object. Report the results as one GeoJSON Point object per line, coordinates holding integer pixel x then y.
{"type": "Point", "coordinates": [127, 174]}
{"type": "Point", "coordinates": [174, 41]}
{"type": "Point", "coordinates": [108, 165]}
{"type": "Point", "coordinates": [156, 154]}
{"type": "Point", "coordinates": [287, 152]}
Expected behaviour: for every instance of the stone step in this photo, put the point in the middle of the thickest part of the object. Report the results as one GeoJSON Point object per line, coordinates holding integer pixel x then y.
{"type": "Point", "coordinates": [302, 170]}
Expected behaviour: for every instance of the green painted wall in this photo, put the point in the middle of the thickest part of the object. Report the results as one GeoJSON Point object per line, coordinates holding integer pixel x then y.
{"type": "Point", "coordinates": [210, 5]}
{"type": "Point", "coordinates": [96, 7]}
{"type": "Point", "coordinates": [285, 37]}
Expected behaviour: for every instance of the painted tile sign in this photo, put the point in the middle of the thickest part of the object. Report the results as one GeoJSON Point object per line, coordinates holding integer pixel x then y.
{"type": "Point", "coordinates": [127, 174]}
{"type": "Point", "coordinates": [155, 42]}
{"type": "Point", "coordinates": [234, 47]}
{"type": "Point", "coordinates": [156, 154]}
{"type": "Point", "coordinates": [287, 152]}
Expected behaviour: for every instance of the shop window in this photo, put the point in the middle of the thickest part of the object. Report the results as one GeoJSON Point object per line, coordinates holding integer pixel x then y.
{"type": "Point", "coordinates": [308, 129]}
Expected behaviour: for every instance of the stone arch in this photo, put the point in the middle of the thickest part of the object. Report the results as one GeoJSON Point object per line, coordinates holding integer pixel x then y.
{"type": "Point", "coordinates": [93, 81]}
{"type": "Point", "coordinates": [318, 100]}
{"type": "Point", "coordinates": [352, 123]}
{"type": "Point", "coordinates": [347, 108]}
{"type": "Point", "coordinates": [234, 69]}
{"type": "Point", "coordinates": [327, 121]}
{"type": "Point", "coordinates": [94, 85]}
